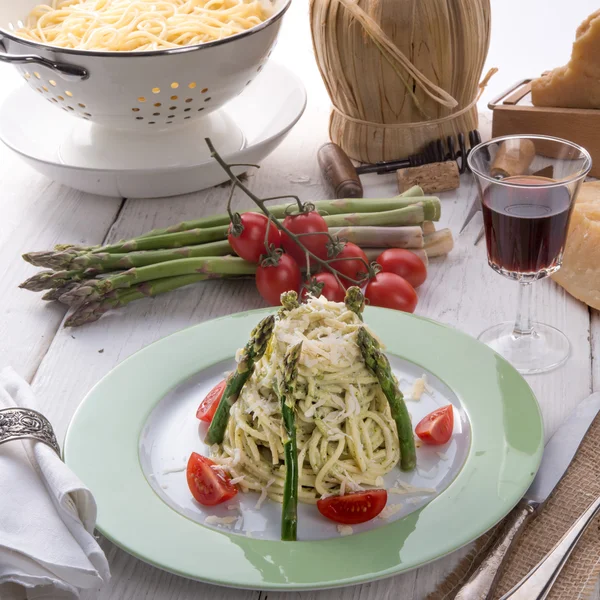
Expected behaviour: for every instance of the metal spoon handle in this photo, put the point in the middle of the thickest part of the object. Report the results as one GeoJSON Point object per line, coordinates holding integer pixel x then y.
{"type": "Point", "coordinates": [483, 582]}
{"type": "Point", "coordinates": [536, 585]}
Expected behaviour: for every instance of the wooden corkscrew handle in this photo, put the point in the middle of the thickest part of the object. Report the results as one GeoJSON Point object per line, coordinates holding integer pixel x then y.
{"type": "Point", "coordinates": [339, 171]}
{"type": "Point", "coordinates": [513, 158]}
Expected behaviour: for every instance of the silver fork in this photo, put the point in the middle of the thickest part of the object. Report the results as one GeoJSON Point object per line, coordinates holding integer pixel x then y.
{"type": "Point", "coordinates": [536, 585]}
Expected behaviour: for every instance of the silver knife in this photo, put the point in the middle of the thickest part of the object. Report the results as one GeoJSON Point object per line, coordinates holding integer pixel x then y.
{"type": "Point", "coordinates": [558, 454]}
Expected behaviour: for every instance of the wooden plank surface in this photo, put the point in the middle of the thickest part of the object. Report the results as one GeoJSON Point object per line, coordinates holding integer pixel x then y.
{"type": "Point", "coordinates": [461, 291]}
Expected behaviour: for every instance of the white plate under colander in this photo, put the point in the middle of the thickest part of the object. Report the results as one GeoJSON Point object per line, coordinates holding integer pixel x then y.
{"type": "Point", "coordinates": [82, 155]}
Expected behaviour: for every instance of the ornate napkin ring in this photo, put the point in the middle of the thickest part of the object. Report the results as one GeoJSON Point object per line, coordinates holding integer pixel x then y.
{"type": "Point", "coordinates": [24, 423]}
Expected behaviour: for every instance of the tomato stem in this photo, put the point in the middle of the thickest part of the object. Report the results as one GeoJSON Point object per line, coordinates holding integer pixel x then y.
{"type": "Point", "coordinates": [261, 203]}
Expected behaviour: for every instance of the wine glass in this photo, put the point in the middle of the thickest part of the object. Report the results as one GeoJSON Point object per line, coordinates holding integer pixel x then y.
{"type": "Point", "coordinates": [527, 185]}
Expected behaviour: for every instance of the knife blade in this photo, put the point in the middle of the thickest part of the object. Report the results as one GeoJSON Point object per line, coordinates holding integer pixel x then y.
{"type": "Point", "coordinates": [558, 454]}
{"type": "Point", "coordinates": [561, 449]}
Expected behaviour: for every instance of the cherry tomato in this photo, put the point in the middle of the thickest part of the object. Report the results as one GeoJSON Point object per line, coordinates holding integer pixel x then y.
{"type": "Point", "coordinates": [352, 269]}
{"type": "Point", "coordinates": [273, 280]}
{"type": "Point", "coordinates": [209, 485]}
{"type": "Point", "coordinates": [308, 222]}
{"type": "Point", "coordinates": [208, 406]}
{"type": "Point", "coordinates": [404, 263]}
{"type": "Point", "coordinates": [436, 428]}
{"type": "Point", "coordinates": [352, 509]}
{"type": "Point", "coordinates": [250, 244]}
{"type": "Point", "coordinates": [391, 291]}
{"type": "Point", "coordinates": [331, 288]}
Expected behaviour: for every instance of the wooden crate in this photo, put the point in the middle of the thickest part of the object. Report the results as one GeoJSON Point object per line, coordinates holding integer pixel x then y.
{"type": "Point", "coordinates": [513, 114]}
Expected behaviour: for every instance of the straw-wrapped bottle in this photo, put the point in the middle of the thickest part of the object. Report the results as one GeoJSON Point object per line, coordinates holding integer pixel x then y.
{"type": "Point", "coordinates": [400, 73]}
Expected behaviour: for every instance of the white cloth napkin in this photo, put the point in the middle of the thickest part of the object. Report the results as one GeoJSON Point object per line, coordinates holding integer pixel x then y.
{"type": "Point", "coordinates": [47, 517]}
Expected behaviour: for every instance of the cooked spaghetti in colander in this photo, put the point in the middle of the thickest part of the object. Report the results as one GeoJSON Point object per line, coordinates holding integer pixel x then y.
{"type": "Point", "coordinates": [137, 25]}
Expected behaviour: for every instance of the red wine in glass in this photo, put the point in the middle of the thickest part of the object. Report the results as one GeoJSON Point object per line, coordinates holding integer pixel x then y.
{"type": "Point", "coordinates": [526, 225]}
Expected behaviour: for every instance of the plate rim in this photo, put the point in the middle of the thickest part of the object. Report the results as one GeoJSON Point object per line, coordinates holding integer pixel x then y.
{"type": "Point", "coordinates": [396, 569]}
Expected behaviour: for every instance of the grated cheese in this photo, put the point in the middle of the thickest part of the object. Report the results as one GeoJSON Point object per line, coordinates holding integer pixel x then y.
{"type": "Point", "coordinates": [345, 530]}
{"type": "Point", "coordinates": [408, 488]}
{"type": "Point", "coordinates": [220, 521]}
{"type": "Point", "coordinates": [174, 470]}
{"type": "Point", "coordinates": [263, 494]}
{"type": "Point", "coordinates": [390, 511]}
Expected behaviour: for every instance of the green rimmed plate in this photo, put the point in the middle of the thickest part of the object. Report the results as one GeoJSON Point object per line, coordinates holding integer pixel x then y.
{"type": "Point", "coordinates": [129, 439]}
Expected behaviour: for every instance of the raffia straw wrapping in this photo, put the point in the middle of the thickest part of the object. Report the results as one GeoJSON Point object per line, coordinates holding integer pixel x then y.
{"type": "Point", "coordinates": [400, 73]}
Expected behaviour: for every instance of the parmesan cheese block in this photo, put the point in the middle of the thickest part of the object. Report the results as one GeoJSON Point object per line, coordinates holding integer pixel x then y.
{"type": "Point", "coordinates": [580, 271]}
{"type": "Point", "coordinates": [576, 85]}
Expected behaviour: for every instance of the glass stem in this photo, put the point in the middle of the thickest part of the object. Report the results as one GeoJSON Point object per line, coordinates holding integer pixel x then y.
{"type": "Point", "coordinates": [523, 323]}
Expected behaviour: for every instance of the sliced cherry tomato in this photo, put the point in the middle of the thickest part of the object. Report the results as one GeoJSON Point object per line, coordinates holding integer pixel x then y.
{"type": "Point", "coordinates": [250, 243]}
{"type": "Point", "coordinates": [332, 290]}
{"type": "Point", "coordinates": [208, 406]}
{"type": "Point", "coordinates": [209, 485]}
{"type": "Point", "coordinates": [273, 280]}
{"type": "Point", "coordinates": [352, 509]}
{"type": "Point", "coordinates": [436, 428]}
{"type": "Point", "coordinates": [404, 263]}
{"type": "Point", "coordinates": [391, 291]}
{"type": "Point", "coordinates": [309, 222]}
{"type": "Point", "coordinates": [351, 269]}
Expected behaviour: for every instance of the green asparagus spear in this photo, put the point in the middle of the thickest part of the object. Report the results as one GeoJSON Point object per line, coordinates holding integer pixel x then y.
{"type": "Point", "coordinates": [413, 214]}
{"type": "Point", "coordinates": [48, 280]}
{"type": "Point", "coordinates": [106, 261]}
{"type": "Point", "coordinates": [379, 365]}
{"type": "Point", "coordinates": [355, 301]}
{"type": "Point", "coordinates": [289, 301]}
{"type": "Point", "coordinates": [289, 510]}
{"type": "Point", "coordinates": [92, 311]}
{"type": "Point", "coordinates": [252, 352]}
{"type": "Point", "coordinates": [56, 293]}
{"type": "Point", "coordinates": [95, 289]}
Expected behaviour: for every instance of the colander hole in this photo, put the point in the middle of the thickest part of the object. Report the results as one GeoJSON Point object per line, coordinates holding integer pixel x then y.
{"type": "Point", "coordinates": [157, 104]}
{"type": "Point", "coordinates": [174, 97]}
{"type": "Point", "coordinates": [37, 74]}
{"type": "Point", "coordinates": [156, 90]}
{"type": "Point", "coordinates": [155, 114]}
{"type": "Point", "coordinates": [205, 90]}
{"type": "Point", "coordinates": [70, 108]}
{"type": "Point", "coordinates": [54, 100]}
{"type": "Point", "coordinates": [39, 90]}
{"type": "Point", "coordinates": [189, 99]}
{"type": "Point", "coordinates": [64, 109]}
{"type": "Point", "coordinates": [70, 94]}
{"type": "Point", "coordinates": [52, 82]}
{"type": "Point", "coordinates": [249, 82]}
{"type": "Point", "coordinates": [27, 75]}
{"type": "Point", "coordinates": [81, 105]}
{"type": "Point", "coordinates": [270, 52]}
{"type": "Point", "coordinates": [201, 109]}
{"type": "Point", "coordinates": [169, 122]}
{"type": "Point", "coordinates": [192, 85]}
{"type": "Point", "coordinates": [172, 108]}
{"type": "Point", "coordinates": [44, 88]}
{"type": "Point", "coordinates": [259, 69]}
{"type": "Point", "coordinates": [187, 110]}
{"type": "Point", "coordinates": [187, 117]}
{"type": "Point", "coordinates": [171, 116]}
{"type": "Point", "coordinates": [207, 99]}
{"type": "Point", "coordinates": [87, 114]}
{"type": "Point", "coordinates": [135, 109]}
{"type": "Point", "coordinates": [61, 98]}
{"type": "Point", "coordinates": [151, 122]}
{"type": "Point", "coordinates": [141, 99]}
{"type": "Point", "coordinates": [86, 118]}
{"type": "Point", "coordinates": [174, 85]}
{"type": "Point", "coordinates": [140, 118]}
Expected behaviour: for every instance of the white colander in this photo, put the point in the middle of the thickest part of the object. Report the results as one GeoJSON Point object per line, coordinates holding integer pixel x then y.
{"type": "Point", "coordinates": [139, 90]}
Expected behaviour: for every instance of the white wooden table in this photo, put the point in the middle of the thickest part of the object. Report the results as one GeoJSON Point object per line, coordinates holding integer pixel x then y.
{"type": "Point", "coordinates": [462, 290]}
